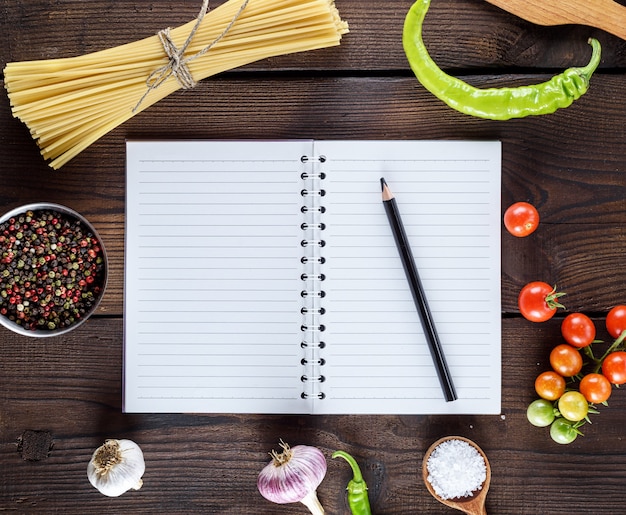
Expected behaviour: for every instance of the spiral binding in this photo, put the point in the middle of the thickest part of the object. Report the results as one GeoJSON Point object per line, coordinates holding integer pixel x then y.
{"type": "Point", "coordinates": [312, 277]}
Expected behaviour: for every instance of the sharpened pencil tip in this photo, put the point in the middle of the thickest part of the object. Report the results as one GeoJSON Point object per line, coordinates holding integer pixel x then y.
{"type": "Point", "coordinates": [387, 195]}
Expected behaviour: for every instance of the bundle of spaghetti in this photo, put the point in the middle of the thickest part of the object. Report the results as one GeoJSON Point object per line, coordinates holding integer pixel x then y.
{"type": "Point", "coordinates": [69, 103]}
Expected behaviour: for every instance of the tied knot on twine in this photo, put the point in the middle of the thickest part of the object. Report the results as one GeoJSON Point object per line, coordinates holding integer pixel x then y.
{"type": "Point", "coordinates": [177, 62]}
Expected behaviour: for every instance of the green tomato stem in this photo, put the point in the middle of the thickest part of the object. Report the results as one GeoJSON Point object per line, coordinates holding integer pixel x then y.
{"type": "Point", "coordinates": [552, 299]}
{"type": "Point", "coordinates": [613, 347]}
{"type": "Point", "coordinates": [356, 471]}
{"type": "Point", "coordinates": [589, 353]}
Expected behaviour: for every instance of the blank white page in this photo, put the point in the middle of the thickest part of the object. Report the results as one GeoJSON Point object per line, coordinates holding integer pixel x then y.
{"type": "Point", "coordinates": [376, 356]}
{"type": "Point", "coordinates": [212, 287]}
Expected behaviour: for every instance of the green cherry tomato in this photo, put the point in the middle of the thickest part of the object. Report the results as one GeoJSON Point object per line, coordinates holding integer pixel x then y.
{"type": "Point", "coordinates": [540, 413]}
{"type": "Point", "coordinates": [573, 406]}
{"type": "Point", "coordinates": [563, 431]}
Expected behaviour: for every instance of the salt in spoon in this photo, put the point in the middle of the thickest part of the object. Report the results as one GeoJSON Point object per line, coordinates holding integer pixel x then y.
{"type": "Point", "coordinates": [474, 505]}
{"type": "Point", "coordinates": [601, 14]}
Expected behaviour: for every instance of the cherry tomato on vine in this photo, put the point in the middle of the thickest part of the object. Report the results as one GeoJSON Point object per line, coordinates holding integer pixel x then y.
{"type": "Point", "coordinates": [563, 431]}
{"type": "Point", "coordinates": [521, 219]}
{"type": "Point", "coordinates": [550, 385]}
{"type": "Point", "coordinates": [573, 406]}
{"type": "Point", "coordinates": [614, 367]}
{"type": "Point", "coordinates": [540, 413]}
{"type": "Point", "coordinates": [538, 301]}
{"type": "Point", "coordinates": [595, 387]}
{"type": "Point", "coordinates": [616, 321]}
{"type": "Point", "coordinates": [566, 360]}
{"type": "Point", "coordinates": [578, 330]}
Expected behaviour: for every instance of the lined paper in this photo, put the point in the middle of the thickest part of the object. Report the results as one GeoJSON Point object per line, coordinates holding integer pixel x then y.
{"type": "Point", "coordinates": [212, 293]}
{"type": "Point", "coordinates": [213, 277]}
{"type": "Point", "coordinates": [377, 358]}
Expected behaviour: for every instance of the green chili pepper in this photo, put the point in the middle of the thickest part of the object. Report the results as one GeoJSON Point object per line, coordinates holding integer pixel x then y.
{"type": "Point", "coordinates": [492, 103]}
{"type": "Point", "coordinates": [357, 489]}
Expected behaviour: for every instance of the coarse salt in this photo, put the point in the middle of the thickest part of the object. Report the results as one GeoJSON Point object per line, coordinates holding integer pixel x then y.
{"type": "Point", "coordinates": [456, 469]}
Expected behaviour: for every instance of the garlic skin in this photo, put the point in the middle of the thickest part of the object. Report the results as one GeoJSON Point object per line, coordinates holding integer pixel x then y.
{"type": "Point", "coordinates": [293, 476]}
{"type": "Point", "coordinates": [116, 467]}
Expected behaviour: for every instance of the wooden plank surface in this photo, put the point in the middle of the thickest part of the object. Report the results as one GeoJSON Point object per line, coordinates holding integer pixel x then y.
{"type": "Point", "coordinates": [60, 398]}
{"type": "Point", "coordinates": [209, 463]}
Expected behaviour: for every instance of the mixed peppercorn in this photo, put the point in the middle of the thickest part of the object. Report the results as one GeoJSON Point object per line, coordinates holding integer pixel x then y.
{"type": "Point", "coordinates": [52, 270]}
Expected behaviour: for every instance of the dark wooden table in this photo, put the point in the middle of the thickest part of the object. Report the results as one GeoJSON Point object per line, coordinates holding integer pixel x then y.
{"type": "Point", "coordinates": [61, 397]}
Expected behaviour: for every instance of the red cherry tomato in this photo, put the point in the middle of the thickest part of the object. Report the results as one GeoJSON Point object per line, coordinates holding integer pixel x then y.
{"type": "Point", "coordinates": [616, 321]}
{"type": "Point", "coordinates": [566, 360]}
{"type": "Point", "coordinates": [595, 387]}
{"type": "Point", "coordinates": [578, 330]}
{"type": "Point", "coordinates": [521, 219]}
{"type": "Point", "coordinates": [614, 367]}
{"type": "Point", "coordinates": [550, 385]}
{"type": "Point", "coordinates": [538, 301]}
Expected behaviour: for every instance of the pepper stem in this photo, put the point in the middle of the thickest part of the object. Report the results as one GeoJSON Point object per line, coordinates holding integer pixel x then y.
{"type": "Point", "coordinates": [312, 503]}
{"type": "Point", "coordinates": [595, 58]}
{"type": "Point", "coordinates": [356, 471]}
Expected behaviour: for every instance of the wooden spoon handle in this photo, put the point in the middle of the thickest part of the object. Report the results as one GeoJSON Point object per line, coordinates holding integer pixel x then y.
{"type": "Point", "coordinates": [474, 510]}
{"type": "Point", "coordinates": [607, 15]}
{"type": "Point", "coordinates": [602, 14]}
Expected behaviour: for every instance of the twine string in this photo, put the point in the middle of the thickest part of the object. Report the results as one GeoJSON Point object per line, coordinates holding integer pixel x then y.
{"type": "Point", "coordinates": [177, 64]}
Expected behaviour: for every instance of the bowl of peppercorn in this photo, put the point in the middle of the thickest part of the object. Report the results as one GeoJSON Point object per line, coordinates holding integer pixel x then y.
{"type": "Point", "coordinates": [53, 269]}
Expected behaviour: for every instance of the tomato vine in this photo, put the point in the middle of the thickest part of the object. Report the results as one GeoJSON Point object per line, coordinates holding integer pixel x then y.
{"type": "Point", "coordinates": [574, 388]}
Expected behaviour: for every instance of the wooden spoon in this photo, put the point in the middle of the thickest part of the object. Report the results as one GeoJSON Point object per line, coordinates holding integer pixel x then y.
{"type": "Point", "coordinates": [474, 505]}
{"type": "Point", "coordinates": [602, 14]}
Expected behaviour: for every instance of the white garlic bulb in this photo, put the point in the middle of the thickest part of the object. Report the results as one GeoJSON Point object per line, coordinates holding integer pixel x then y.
{"type": "Point", "coordinates": [116, 467]}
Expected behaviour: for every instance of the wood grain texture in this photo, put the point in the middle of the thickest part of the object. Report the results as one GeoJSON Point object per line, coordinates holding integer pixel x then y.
{"type": "Point", "coordinates": [209, 463]}
{"type": "Point", "coordinates": [603, 14]}
{"type": "Point", "coordinates": [568, 164]}
{"type": "Point", "coordinates": [571, 165]}
{"type": "Point", "coordinates": [459, 33]}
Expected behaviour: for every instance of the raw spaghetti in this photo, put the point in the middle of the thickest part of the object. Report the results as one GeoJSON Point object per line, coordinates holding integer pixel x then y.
{"type": "Point", "coordinates": [70, 103]}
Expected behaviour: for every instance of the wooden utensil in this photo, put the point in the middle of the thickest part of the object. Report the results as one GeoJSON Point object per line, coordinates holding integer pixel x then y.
{"type": "Point", "coordinates": [474, 505]}
{"type": "Point", "coordinates": [602, 14]}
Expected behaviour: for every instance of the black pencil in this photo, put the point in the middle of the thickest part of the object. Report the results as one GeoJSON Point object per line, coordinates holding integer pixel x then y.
{"type": "Point", "coordinates": [419, 297]}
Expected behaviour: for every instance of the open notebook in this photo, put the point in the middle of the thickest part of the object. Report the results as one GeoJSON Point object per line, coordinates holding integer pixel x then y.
{"type": "Point", "coordinates": [262, 276]}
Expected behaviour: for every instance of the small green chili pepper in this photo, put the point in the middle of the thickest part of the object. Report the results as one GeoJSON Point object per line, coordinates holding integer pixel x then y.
{"type": "Point", "coordinates": [492, 103]}
{"type": "Point", "coordinates": [357, 489]}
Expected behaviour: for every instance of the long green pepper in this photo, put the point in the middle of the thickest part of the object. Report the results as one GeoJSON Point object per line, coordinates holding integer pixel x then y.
{"type": "Point", "coordinates": [357, 488]}
{"type": "Point", "coordinates": [492, 103]}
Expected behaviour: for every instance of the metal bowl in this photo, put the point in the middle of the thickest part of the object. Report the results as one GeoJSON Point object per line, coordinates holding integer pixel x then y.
{"type": "Point", "coordinates": [52, 291]}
